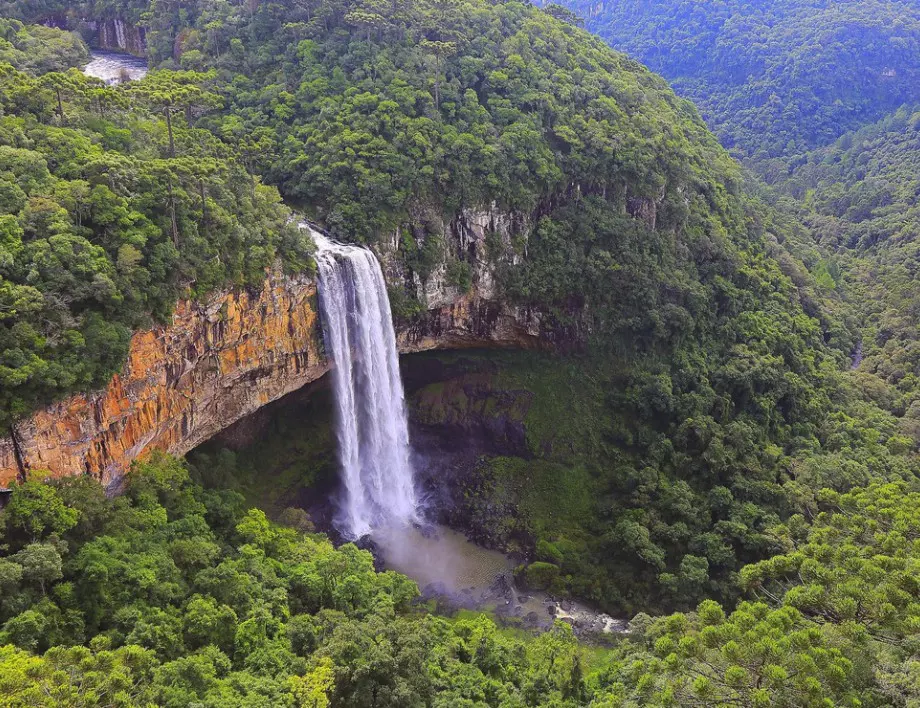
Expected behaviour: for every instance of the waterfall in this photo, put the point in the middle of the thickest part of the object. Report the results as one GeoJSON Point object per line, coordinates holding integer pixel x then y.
{"type": "Point", "coordinates": [372, 432]}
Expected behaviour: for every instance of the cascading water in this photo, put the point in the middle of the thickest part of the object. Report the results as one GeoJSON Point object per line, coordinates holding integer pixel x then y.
{"type": "Point", "coordinates": [372, 432]}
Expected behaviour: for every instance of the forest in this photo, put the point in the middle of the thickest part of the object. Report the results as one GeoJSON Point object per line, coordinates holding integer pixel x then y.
{"type": "Point", "coordinates": [732, 483]}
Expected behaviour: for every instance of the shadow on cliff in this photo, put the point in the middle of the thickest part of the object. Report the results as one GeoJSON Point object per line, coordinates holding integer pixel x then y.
{"type": "Point", "coordinates": [284, 455]}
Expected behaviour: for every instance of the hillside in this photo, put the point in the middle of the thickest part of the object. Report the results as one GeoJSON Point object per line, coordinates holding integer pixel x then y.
{"type": "Point", "coordinates": [690, 440]}
{"type": "Point", "coordinates": [774, 78]}
{"type": "Point", "coordinates": [858, 197]}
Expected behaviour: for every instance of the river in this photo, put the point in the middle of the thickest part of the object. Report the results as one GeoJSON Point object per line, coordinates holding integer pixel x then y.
{"type": "Point", "coordinates": [114, 67]}
{"type": "Point", "coordinates": [458, 574]}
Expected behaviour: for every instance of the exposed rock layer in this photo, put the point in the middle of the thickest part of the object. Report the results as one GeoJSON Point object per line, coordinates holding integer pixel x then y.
{"type": "Point", "coordinates": [112, 34]}
{"type": "Point", "coordinates": [215, 363]}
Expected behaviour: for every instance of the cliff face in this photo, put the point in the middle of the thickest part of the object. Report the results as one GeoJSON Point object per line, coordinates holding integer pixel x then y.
{"type": "Point", "coordinates": [118, 36]}
{"type": "Point", "coordinates": [216, 363]}
{"type": "Point", "coordinates": [113, 34]}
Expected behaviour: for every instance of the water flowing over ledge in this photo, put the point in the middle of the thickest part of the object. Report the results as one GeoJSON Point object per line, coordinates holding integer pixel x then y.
{"type": "Point", "coordinates": [220, 359]}
{"type": "Point", "coordinates": [371, 421]}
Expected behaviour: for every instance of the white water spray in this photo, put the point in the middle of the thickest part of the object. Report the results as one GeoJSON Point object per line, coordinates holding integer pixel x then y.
{"type": "Point", "coordinates": [372, 431]}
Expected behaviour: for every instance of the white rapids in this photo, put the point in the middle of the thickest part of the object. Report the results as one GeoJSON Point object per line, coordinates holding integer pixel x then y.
{"type": "Point", "coordinates": [115, 68]}
{"type": "Point", "coordinates": [372, 431]}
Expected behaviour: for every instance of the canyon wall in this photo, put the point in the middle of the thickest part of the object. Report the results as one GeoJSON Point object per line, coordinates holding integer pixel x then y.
{"type": "Point", "coordinates": [217, 362]}
{"type": "Point", "coordinates": [113, 34]}
{"type": "Point", "coordinates": [118, 36]}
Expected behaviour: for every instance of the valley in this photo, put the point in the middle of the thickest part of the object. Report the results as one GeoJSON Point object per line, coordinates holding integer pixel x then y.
{"type": "Point", "coordinates": [436, 354]}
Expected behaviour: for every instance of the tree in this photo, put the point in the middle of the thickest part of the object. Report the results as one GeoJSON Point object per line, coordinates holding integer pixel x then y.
{"type": "Point", "coordinates": [67, 84]}
{"type": "Point", "coordinates": [37, 510]}
{"type": "Point", "coordinates": [440, 50]}
{"type": "Point", "coordinates": [172, 92]}
{"type": "Point", "coordinates": [41, 563]}
{"type": "Point", "coordinates": [754, 657]}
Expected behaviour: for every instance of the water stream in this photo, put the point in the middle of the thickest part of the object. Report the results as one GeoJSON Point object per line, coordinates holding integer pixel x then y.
{"type": "Point", "coordinates": [371, 425]}
{"type": "Point", "coordinates": [115, 67]}
{"type": "Point", "coordinates": [381, 501]}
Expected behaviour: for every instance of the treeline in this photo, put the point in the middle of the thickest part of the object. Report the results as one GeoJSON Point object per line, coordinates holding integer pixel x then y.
{"type": "Point", "coordinates": [773, 79]}
{"type": "Point", "coordinates": [112, 206]}
{"type": "Point", "coordinates": [172, 595]}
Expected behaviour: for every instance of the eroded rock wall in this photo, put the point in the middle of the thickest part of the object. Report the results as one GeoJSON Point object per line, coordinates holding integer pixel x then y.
{"type": "Point", "coordinates": [112, 34]}
{"type": "Point", "coordinates": [216, 363]}
{"type": "Point", "coordinates": [119, 36]}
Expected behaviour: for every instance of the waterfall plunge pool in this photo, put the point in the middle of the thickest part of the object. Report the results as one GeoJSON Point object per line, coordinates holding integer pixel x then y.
{"type": "Point", "coordinates": [459, 574]}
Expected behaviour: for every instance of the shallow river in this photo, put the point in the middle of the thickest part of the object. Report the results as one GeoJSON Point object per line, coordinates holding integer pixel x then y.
{"type": "Point", "coordinates": [115, 68]}
{"type": "Point", "coordinates": [451, 569]}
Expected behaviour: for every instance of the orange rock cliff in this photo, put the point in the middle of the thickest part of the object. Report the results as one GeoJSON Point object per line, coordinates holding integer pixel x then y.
{"type": "Point", "coordinates": [215, 363]}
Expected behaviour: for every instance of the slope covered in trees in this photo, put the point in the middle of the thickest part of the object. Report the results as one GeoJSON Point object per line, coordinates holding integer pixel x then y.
{"type": "Point", "coordinates": [774, 78]}
{"type": "Point", "coordinates": [858, 197]}
{"type": "Point", "coordinates": [111, 207]}
{"type": "Point", "coordinates": [821, 98]}
{"type": "Point", "coordinates": [713, 399]}
{"type": "Point", "coordinates": [172, 595]}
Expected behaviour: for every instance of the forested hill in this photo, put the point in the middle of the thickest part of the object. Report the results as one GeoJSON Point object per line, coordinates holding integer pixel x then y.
{"type": "Point", "coordinates": [719, 435]}
{"type": "Point", "coordinates": [720, 362]}
{"type": "Point", "coordinates": [109, 214]}
{"type": "Point", "coordinates": [773, 77]}
{"type": "Point", "coordinates": [821, 99]}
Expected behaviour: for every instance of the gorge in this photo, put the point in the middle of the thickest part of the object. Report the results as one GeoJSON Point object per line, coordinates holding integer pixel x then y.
{"type": "Point", "coordinates": [220, 360]}
{"type": "Point", "coordinates": [625, 377]}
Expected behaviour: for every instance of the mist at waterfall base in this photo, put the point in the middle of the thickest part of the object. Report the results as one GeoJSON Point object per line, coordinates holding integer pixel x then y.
{"type": "Point", "coordinates": [380, 499]}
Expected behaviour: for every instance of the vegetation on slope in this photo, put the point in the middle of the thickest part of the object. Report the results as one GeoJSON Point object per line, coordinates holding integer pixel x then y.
{"type": "Point", "coordinates": [712, 379]}
{"type": "Point", "coordinates": [37, 49]}
{"type": "Point", "coordinates": [773, 78]}
{"type": "Point", "coordinates": [172, 595]}
{"type": "Point", "coordinates": [819, 86]}
{"type": "Point", "coordinates": [112, 207]}
{"type": "Point", "coordinates": [859, 198]}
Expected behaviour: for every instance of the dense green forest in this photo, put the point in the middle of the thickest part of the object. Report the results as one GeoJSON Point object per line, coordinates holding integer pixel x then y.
{"type": "Point", "coordinates": [172, 595]}
{"type": "Point", "coordinates": [111, 207]}
{"type": "Point", "coordinates": [722, 452]}
{"type": "Point", "coordinates": [774, 78]}
{"type": "Point", "coordinates": [819, 98]}
{"type": "Point", "coordinates": [858, 197]}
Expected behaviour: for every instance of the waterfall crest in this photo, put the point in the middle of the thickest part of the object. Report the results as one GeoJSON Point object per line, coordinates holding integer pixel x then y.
{"type": "Point", "coordinates": [372, 431]}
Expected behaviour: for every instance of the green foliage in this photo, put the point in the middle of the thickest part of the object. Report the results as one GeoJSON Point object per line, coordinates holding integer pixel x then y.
{"type": "Point", "coordinates": [37, 49]}
{"type": "Point", "coordinates": [260, 615]}
{"type": "Point", "coordinates": [855, 564]}
{"type": "Point", "coordinates": [105, 220]}
{"type": "Point", "coordinates": [774, 78]}
{"type": "Point", "coordinates": [640, 486]}
{"type": "Point", "coordinates": [754, 657]}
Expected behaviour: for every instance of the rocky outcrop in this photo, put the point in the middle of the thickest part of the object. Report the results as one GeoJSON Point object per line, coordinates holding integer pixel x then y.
{"type": "Point", "coordinates": [119, 36]}
{"type": "Point", "coordinates": [112, 34]}
{"type": "Point", "coordinates": [217, 362]}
